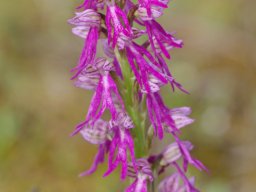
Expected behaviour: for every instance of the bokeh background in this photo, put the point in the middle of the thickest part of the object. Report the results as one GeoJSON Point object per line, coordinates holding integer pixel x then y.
{"type": "Point", "coordinates": [39, 106]}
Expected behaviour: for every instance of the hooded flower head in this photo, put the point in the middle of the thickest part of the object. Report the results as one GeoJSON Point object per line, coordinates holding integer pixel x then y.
{"type": "Point", "coordinates": [172, 153]}
{"type": "Point", "coordinates": [86, 18]}
{"type": "Point", "coordinates": [172, 184]}
{"type": "Point", "coordinates": [142, 176]}
{"type": "Point", "coordinates": [96, 134]}
{"type": "Point", "coordinates": [151, 9]}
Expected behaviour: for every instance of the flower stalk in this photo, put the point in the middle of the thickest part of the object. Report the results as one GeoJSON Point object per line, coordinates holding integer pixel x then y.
{"type": "Point", "coordinates": [135, 111]}
{"type": "Point", "coordinates": [126, 81]}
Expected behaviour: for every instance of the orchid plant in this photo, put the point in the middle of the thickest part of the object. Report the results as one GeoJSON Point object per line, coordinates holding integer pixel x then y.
{"type": "Point", "coordinates": [126, 81]}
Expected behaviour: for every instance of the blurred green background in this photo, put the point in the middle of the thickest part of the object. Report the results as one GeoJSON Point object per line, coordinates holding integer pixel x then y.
{"type": "Point", "coordinates": [39, 106]}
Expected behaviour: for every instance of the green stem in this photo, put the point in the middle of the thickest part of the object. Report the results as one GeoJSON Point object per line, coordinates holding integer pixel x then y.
{"type": "Point", "coordinates": [129, 92]}
{"type": "Point", "coordinates": [155, 168]}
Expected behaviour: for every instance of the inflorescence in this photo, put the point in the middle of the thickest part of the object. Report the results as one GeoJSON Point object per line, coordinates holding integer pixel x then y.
{"type": "Point", "coordinates": [126, 82]}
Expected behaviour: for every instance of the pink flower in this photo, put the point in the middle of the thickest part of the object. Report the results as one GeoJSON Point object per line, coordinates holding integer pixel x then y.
{"type": "Point", "coordinates": [159, 115]}
{"type": "Point", "coordinates": [172, 153]}
{"type": "Point", "coordinates": [87, 26]}
{"type": "Point", "coordinates": [103, 97]}
{"type": "Point", "coordinates": [172, 184]}
{"type": "Point", "coordinates": [121, 143]}
{"type": "Point", "coordinates": [146, 67]}
{"type": "Point", "coordinates": [142, 176]}
{"type": "Point", "coordinates": [117, 24]}
{"type": "Point", "coordinates": [88, 52]}
{"type": "Point", "coordinates": [160, 39]}
{"type": "Point", "coordinates": [151, 9]}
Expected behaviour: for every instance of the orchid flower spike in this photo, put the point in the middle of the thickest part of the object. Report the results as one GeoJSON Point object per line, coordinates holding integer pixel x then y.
{"type": "Point", "coordinates": [127, 111]}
